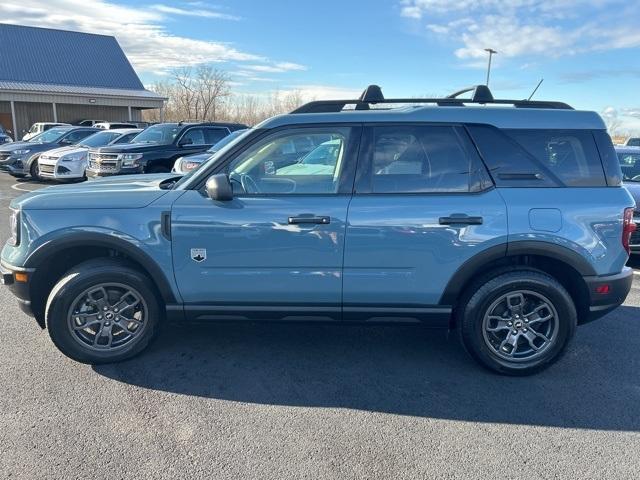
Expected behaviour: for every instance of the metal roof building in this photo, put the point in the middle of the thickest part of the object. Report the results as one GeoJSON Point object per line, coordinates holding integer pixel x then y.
{"type": "Point", "coordinates": [51, 75]}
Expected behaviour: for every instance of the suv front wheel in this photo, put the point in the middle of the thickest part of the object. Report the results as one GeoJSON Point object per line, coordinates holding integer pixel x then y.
{"type": "Point", "coordinates": [517, 323]}
{"type": "Point", "coordinates": [102, 311]}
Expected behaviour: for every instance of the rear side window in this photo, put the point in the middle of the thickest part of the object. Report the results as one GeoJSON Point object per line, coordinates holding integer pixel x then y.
{"type": "Point", "coordinates": [570, 154]}
{"type": "Point", "coordinates": [421, 159]}
{"type": "Point", "coordinates": [214, 135]}
{"type": "Point", "coordinates": [540, 158]}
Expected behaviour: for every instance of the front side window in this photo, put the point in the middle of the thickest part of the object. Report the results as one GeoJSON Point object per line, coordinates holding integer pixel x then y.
{"type": "Point", "coordinates": [193, 136]}
{"type": "Point", "coordinates": [420, 159]}
{"type": "Point", "coordinates": [301, 161]}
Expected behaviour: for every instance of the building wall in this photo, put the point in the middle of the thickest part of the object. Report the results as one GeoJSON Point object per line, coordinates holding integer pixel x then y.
{"type": "Point", "coordinates": [28, 113]}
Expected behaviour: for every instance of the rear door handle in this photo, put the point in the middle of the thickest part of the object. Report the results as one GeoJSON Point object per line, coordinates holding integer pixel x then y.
{"type": "Point", "coordinates": [309, 220]}
{"type": "Point", "coordinates": [460, 220]}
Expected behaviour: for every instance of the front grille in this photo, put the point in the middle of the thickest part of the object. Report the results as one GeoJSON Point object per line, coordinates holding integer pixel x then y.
{"type": "Point", "coordinates": [103, 166]}
{"type": "Point", "coordinates": [50, 169]}
{"type": "Point", "coordinates": [104, 162]}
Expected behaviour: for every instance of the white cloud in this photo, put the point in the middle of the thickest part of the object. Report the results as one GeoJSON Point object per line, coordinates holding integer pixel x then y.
{"type": "Point", "coordinates": [193, 12]}
{"type": "Point", "coordinates": [140, 31]}
{"type": "Point", "coordinates": [322, 92]}
{"type": "Point", "coordinates": [279, 67]}
{"type": "Point", "coordinates": [518, 28]}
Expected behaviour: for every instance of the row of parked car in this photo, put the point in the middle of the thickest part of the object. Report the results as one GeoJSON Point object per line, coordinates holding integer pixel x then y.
{"type": "Point", "coordinates": [72, 153]}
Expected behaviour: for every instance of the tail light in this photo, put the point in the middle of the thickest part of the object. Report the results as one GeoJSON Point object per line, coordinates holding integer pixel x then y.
{"type": "Point", "coordinates": [628, 227]}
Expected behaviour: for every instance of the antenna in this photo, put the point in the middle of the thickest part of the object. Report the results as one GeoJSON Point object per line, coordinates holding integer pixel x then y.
{"type": "Point", "coordinates": [535, 89]}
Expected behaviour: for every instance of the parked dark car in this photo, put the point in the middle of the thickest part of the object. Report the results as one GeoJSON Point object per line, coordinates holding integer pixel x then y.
{"type": "Point", "coordinates": [629, 158]}
{"type": "Point", "coordinates": [156, 149]}
{"type": "Point", "coordinates": [191, 162]}
{"type": "Point", "coordinates": [21, 158]}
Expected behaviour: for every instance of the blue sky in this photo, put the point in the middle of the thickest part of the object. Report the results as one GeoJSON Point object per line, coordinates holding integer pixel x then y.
{"type": "Point", "coordinates": [587, 51]}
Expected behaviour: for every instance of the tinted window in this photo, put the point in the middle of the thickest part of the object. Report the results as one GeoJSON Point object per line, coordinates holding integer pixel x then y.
{"type": "Point", "coordinates": [126, 138]}
{"type": "Point", "coordinates": [280, 163]}
{"type": "Point", "coordinates": [214, 135]}
{"type": "Point", "coordinates": [78, 135]}
{"type": "Point", "coordinates": [421, 159]}
{"type": "Point", "coordinates": [609, 158]}
{"type": "Point", "coordinates": [633, 142]}
{"type": "Point", "coordinates": [193, 136]}
{"type": "Point", "coordinates": [571, 155]}
{"type": "Point", "coordinates": [163, 134]}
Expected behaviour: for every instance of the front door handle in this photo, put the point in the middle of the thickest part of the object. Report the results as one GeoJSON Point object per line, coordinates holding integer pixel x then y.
{"type": "Point", "coordinates": [309, 220]}
{"type": "Point", "coordinates": [460, 220]}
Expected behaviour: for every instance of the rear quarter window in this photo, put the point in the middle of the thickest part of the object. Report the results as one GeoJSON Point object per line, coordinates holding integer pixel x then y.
{"type": "Point", "coordinates": [541, 157]}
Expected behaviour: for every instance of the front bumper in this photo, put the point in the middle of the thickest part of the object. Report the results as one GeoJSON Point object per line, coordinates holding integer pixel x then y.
{"type": "Point", "coordinates": [61, 170]}
{"type": "Point", "coordinates": [607, 292]}
{"type": "Point", "coordinates": [19, 288]}
{"type": "Point", "coordinates": [14, 165]}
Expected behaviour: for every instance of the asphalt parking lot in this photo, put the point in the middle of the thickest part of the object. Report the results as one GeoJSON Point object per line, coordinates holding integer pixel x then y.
{"type": "Point", "coordinates": [273, 401]}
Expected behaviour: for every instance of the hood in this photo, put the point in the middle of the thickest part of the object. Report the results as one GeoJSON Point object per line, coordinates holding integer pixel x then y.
{"type": "Point", "coordinates": [32, 147]}
{"type": "Point", "coordinates": [129, 147]}
{"type": "Point", "coordinates": [58, 152]}
{"type": "Point", "coordinates": [634, 190]}
{"type": "Point", "coordinates": [120, 192]}
{"type": "Point", "coordinates": [9, 147]}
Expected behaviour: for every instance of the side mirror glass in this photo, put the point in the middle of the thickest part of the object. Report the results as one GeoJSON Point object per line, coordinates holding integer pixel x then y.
{"type": "Point", "coordinates": [219, 188]}
{"type": "Point", "coordinates": [185, 141]}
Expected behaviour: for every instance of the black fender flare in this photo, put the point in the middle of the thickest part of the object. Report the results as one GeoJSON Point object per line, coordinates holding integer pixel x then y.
{"type": "Point", "coordinates": [475, 264]}
{"type": "Point", "coordinates": [96, 239]}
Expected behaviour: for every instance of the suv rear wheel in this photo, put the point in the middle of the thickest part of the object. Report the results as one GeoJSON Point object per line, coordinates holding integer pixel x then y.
{"type": "Point", "coordinates": [102, 311]}
{"type": "Point", "coordinates": [517, 323]}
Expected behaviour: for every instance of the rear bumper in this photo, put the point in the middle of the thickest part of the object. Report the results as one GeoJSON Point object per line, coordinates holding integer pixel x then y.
{"type": "Point", "coordinates": [607, 292]}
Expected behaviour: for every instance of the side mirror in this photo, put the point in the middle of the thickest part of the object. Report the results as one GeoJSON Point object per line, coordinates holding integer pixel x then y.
{"type": "Point", "coordinates": [219, 188]}
{"type": "Point", "coordinates": [185, 141]}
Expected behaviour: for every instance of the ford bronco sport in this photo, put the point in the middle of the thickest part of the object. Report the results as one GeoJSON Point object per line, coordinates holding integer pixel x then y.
{"type": "Point", "coordinates": [502, 219]}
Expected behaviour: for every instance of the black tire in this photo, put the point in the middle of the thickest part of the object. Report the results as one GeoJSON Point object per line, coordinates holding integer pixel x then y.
{"type": "Point", "coordinates": [34, 171]}
{"type": "Point", "coordinates": [483, 298]}
{"type": "Point", "coordinates": [71, 287]}
{"type": "Point", "coordinates": [157, 169]}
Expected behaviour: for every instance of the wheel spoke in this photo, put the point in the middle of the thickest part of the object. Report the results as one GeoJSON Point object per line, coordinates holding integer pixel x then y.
{"type": "Point", "coordinates": [535, 317]}
{"type": "Point", "coordinates": [122, 304]}
{"type": "Point", "coordinates": [101, 303]}
{"type": "Point", "coordinates": [531, 336]}
{"type": "Point", "coordinates": [515, 302]}
{"type": "Point", "coordinates": [510, 341]}
{"type": "Point", "coordinates": [87, 321]}
{"type": "Point", "coordinates": [499, 322]}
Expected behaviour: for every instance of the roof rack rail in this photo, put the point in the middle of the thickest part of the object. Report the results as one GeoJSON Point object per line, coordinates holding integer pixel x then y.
{"type": "Point", "coordinates": [373, 95]}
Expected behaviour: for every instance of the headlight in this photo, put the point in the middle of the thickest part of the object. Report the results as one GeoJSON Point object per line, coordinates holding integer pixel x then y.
{"type": "Point", "coordinates": [129, 159]}
{"type": "Point", "coordinates": [21, 152]}
{"type": "Point", "coordinates": [74, 157]}
{"type": "Point", "coordinates": [14, 225]}
{"type": "Point", "coordinates": [190, 165]}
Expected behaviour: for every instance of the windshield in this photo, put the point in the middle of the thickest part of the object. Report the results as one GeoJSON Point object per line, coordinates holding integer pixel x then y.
{"type": "Point", "coordinates": [99, 139]}
{"type": "Point", "coordinates": [50, 136]}
{"type": "Point", "coordinates": [214, 158]}
{"type": "Point", "coordinates": [226, 140]}
{"type": "Point", "coordinates": [163, 134]}
{"type": "Point", "coordinates": [630, 166]}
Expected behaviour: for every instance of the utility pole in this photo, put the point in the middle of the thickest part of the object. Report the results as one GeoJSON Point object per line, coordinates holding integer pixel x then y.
{"type": "Point", "coordinates": [492, 52]}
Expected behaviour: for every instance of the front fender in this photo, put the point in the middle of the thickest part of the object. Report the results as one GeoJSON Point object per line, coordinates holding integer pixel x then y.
{"type": "Point", "coordinates": [54, 242]}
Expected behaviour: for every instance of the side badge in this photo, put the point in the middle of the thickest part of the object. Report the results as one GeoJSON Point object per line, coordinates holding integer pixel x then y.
{"type": "Point", "coordinates": [198, 254]}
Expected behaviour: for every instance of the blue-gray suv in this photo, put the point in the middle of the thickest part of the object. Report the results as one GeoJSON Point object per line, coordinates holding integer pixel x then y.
{"type": "Point", "coordinates": [502, 219]}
